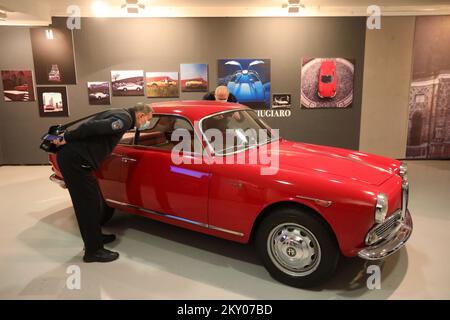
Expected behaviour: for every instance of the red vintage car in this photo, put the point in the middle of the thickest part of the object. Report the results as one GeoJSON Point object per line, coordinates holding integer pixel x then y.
{"type": "Point", "coordinates": [318, 204]}
{"type": "Point", "coordinates": [327, 79]}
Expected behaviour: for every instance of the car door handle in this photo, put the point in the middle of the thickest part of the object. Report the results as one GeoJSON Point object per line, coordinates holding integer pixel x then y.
{"type": "Point", "coordinates": [126, 159]}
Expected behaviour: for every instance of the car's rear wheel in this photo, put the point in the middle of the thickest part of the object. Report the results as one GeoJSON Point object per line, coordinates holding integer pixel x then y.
{"type": "Point", "coordinates": [297, 247]}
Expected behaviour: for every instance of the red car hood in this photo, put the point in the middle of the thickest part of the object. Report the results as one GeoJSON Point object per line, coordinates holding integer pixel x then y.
{"type": "Point", "coordinates": [354, 165]}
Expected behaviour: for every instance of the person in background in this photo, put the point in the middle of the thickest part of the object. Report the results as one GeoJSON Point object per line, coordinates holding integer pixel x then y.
{"type": "Point", "coordinates": [220, 94]}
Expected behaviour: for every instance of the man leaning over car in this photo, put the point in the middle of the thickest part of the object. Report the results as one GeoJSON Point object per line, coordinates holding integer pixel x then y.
{"type": "Point", "coordinates": [80, 152]}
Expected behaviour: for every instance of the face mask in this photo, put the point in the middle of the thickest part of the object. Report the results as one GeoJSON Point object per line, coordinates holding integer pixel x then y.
{"type": "Point", "coordinates": [145, 126]}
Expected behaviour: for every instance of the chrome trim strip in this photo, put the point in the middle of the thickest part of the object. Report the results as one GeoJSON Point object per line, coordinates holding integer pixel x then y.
{"type": "Point", "coordinates": [227, 231]}
{"type": "Point", "coordinates": [200, 224]}
{"type": "Point", "coordinates": [342, 157]}
{"type": "Point", "coordinates": [326, 203]}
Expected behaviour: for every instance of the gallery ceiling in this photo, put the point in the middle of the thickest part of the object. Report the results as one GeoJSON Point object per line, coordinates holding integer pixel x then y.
{"type": "Point", "coordinates": [31, 12]}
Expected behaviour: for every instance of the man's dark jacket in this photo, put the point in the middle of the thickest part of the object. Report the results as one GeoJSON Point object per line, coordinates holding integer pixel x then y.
{"type": "Point", "coordinates": [95, 139]}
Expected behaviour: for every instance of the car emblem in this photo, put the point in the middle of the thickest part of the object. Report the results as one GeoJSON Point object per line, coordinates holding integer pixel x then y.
{"type": "Point", "coordinates": [291, 252]}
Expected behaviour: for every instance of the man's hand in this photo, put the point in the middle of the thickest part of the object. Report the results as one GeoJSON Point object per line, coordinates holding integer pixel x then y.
{"type": "Point", "coordinates": [59, 142]}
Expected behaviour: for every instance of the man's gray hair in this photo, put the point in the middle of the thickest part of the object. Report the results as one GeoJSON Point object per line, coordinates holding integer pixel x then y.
{"type": "Point", "coordinates": [142, 107]}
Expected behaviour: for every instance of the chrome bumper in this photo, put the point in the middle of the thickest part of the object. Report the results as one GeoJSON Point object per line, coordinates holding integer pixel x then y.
{"type": "Point", "coordinates": [392, 243]}
{"type": "Point", "coordinates": [58, 181]}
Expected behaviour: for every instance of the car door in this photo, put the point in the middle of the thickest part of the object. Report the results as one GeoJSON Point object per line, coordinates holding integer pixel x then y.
{"type": "Point", "coordinates": [154, 182]}
{"type": "Point", "coordinates": [110, 177]}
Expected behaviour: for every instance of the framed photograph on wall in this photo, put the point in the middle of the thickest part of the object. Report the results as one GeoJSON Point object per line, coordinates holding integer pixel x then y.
{"type": "Point", "coordinates": [281, 101]}
{"type": "Point", "coordinates": [127, 82]}
{"type": "Point", "coordinates": [194, 77]}
{"type": "Point", "coordinates": [326, 83]}
{"type": "Point", "coordinates": [53, 55]}
{"type": "Point", "coordinates": [18, 85]}
{"type": "Point", "coordinates": [99, 93]}
{"type": "Point", "coordinates": [247, 79]}
{"type": "Point", "coordinates": [162, 84]}
{"type": "Point", "coordinates": [53, 101]}
{"type": "Point", "coordinates": [429, 91]}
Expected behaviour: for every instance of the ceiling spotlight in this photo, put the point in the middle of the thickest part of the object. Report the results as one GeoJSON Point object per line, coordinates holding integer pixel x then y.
{"type": "Point", "coordinates": [133, 6]}
{"type": "Point", "coordinates": [3, 15]}
{"type": "Point", "coordinates": [293, 6]}
{"type": "Point", "coordinates": [99, 9]}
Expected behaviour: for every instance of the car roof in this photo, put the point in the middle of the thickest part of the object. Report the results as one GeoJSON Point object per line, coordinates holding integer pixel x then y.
{"type": "Point", "coordinates": [195, 109]}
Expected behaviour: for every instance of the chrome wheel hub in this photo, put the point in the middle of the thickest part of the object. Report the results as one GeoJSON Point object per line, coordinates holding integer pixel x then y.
{"type": "Point", "coordinates": [294, 249]}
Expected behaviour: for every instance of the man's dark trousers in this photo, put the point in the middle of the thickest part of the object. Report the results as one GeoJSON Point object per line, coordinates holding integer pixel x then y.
{"type": "Point", "coordinates": [86, 196]}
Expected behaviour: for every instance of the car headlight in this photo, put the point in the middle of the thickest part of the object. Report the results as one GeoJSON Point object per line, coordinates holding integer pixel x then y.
{"type": "Point", "coordinates": [381, 207]}
{"type": "Point", "coordinates": [404, 171]}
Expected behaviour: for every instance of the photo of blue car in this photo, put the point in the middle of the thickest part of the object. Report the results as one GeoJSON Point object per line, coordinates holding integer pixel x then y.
{"type": "Point", "coordinates": [247, 79]}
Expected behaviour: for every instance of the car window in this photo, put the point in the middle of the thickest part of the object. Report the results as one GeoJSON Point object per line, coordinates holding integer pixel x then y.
{"type": "Point", "coordinates": [235, 131]}
{"type": "Point", "coordinates": [327, 79]}
{"type": "Point", "coordinates": [128, 137]}
{"type": "Point", "coordinates": [161, 133]}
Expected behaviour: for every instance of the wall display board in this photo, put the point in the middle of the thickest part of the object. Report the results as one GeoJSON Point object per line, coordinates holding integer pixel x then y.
{"type": "Point", "coordinates": [429, 95]}
{"type": "Point", "coordinates": [53, 101]}
{"type": "Point", "coordinates": [247, 79]}
{"type": "Point", "coordinates": [326, 83]}
{"type": "Point", "coordinates": [18, 85]}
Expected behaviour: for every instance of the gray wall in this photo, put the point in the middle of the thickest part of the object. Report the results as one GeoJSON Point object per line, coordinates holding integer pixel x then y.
{"type": "Point", "coordinates": [387, 76]}
{"type": "Point", "coordinates": [162, 44]}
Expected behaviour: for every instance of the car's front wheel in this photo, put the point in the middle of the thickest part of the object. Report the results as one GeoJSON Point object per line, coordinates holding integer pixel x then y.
{"type": "Point", "coordinates": [297, 247]}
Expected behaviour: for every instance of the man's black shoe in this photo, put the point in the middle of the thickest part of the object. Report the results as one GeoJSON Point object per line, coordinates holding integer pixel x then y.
{"type": "Point", "coordinates": [108, 238]}
{"type": "Point", "coordinates": [101, 255]}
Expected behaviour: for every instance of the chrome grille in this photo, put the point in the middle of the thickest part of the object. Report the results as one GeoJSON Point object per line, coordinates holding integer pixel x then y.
{"type": "Point", "coordinates": [387, 225]}
{"type": "Point", "coordinates": [383, 230]}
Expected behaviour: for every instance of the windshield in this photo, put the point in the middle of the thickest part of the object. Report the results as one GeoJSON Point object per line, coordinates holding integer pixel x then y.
{"type": "Point", "coordinates": [327, 79]}
{"type": "Point", "coordinates": [235, 131]}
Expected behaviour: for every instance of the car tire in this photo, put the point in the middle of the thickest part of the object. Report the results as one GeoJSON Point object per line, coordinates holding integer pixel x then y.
{"type": "Point", "coordinates": [312, 255]}
{"type": "Point", "coordinates": [107, 214]}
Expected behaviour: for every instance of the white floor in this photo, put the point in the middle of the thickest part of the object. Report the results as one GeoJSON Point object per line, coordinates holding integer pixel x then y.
{"type": "Point", "coordinates": [39, 241]}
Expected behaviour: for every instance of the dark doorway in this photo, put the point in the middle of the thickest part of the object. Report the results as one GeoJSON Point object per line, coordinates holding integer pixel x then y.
{"type": "Point", "coordinates": [416, 129]}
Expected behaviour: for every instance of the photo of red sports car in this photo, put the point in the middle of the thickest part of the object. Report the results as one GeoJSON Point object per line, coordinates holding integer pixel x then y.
{"type": "Point", "coordinates": [327, 79]}
{"type": "Point", "coordinates": [327, 83]}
